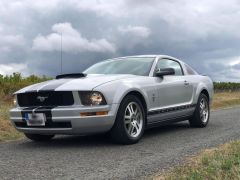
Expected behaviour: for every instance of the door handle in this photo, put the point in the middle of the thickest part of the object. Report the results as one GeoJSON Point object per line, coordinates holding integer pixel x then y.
{"type": "Point", "coordinates": [186, 83]}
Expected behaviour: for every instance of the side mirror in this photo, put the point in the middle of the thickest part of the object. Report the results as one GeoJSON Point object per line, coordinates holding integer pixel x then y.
{"type": "Point", "coordinates": [165, 71]}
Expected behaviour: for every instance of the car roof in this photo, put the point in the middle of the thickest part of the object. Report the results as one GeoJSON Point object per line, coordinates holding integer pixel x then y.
{"type": "Point", "coordinates": [149, 56]}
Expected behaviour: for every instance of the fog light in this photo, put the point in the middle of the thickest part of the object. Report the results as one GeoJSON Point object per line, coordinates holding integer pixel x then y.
{"type": "Point", "coordinates": [99, 113]}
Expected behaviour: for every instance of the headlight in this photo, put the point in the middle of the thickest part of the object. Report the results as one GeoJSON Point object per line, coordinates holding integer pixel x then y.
{"type": "Point", "coordinates": [96, 98]}
{"type": "Point", "coordinates": [92, 98]}
{"type": "Point", "coordinates": [15, 100]}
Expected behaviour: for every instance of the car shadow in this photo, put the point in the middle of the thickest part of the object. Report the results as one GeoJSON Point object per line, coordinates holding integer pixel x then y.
{"type": "Point", "coordinates": [102, 139]}
{"type": "Point", "coordinates": [165, 129]}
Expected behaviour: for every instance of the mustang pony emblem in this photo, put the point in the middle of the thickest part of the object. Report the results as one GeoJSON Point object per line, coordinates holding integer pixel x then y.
{"type": "Point", "coordinates": [42, 98]}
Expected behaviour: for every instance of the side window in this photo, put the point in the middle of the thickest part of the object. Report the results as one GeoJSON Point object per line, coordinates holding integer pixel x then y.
{"type": "Point", "coordinates": [167, 63]}
{"type": "Point", "coordinates": [190, 71]}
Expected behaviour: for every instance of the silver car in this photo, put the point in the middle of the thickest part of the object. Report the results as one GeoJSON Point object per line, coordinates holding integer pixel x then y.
{"type": "Point", "coordinates": [122, 96]}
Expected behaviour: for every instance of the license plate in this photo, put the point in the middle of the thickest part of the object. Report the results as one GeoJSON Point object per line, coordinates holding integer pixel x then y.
{"type": "Point", "coordinates": [35, 119]}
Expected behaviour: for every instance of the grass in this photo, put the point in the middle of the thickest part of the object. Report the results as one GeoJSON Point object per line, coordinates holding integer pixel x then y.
{"type": "Point", "coordinates": [225, 99]}
{"type": "Point", "coordinates": [213, 164]}
{"type": "Point", "coordinates": [7, 131]}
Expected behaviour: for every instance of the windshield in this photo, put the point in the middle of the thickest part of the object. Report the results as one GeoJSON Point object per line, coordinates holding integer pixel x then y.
{"type": "Point", "coordinates": [132, 65]}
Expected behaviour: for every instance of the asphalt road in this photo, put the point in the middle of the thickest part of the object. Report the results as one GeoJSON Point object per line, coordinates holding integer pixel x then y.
{"type": "Point", "coordinates": [95, 157]}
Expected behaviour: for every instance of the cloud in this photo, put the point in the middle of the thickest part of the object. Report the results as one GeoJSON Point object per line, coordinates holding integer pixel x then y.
{"type": "Point", "coordinates": [204, 34]}
{"type": "Point", "coordinates": [10, 41]}
{"type": "Point", "coordinates": [72, 41]}
{"type": "Point", "coordinates": [11, 68]}
{"type": "Point", "coordinates": [140, 31]}
{"type": "Point", "coordinates": [236, 66]}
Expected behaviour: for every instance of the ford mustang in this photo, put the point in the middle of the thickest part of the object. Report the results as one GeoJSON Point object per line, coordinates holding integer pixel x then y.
{"type": "Point", "coordinates": [121, 96]}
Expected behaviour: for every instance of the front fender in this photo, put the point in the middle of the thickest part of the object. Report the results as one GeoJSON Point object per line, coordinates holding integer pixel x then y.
{"type": "Point", "coordinates": [116, 91]}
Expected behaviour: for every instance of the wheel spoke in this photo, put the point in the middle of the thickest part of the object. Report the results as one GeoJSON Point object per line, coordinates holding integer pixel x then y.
{"type": "Point", "coordinates": [137, 126]}
{"type": "Point", "coordinates": [127, 117]}
{"type": "Point", "coordinates": [205, 113]}
{"type": "Point", "coordinates": [138, 115]}
{"type": "Point", "coordinates": [136, 111]}
{"type": "Point", "coordinates": [201, 105]}
{"type": "Point", "coordinates": [130, 127]}
{"type": "Point", "coordinates": [130, 109]}
{"type": "Point", "coordinates": [127, 121]}
{"type": "Point", "coordinates": [132, 130]}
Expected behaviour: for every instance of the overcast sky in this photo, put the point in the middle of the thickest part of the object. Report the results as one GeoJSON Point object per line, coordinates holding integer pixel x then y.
{"type": "Point", "coordinates": [204, 34]}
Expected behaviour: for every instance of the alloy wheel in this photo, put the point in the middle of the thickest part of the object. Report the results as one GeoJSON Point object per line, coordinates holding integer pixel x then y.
{"type": "Point", "coordinates": [133, 119]}
{"type": "Point", "coordinates": [204, 110]}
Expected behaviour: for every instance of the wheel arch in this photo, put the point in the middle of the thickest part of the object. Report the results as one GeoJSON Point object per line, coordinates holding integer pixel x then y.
{"type": "Point", "coordinates": [140, 96]}
{"type": "Point", "coordinates": [205, 92]}
{"type": "Point", "coordinates": [202, 88]}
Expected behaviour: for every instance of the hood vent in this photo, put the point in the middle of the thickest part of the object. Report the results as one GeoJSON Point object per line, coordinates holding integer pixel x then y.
{"type": "Point", "coordinates": [74, 75]}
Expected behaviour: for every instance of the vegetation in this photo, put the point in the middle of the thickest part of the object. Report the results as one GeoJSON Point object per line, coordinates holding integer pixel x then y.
{"type": "Point", "coordinates": [213, 164]}
{"type": "Point", "coordinates": [225, 99]}
{"type": "Point", "coordinates": [10, 84]}
{"type": "Point", "coordinates": [226, 86]}
{"type": "Point", "coordinates": [7, 131]}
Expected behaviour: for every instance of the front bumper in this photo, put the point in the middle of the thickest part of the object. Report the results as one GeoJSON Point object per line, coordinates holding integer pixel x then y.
{"type": "Point", "coordinates": [66, 120]}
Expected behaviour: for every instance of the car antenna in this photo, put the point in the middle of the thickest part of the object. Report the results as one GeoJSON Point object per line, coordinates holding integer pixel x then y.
{"type": "Point", "coordinates": [61, 53]}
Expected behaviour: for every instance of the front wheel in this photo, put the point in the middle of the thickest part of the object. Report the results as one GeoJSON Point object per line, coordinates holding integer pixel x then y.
{"type": "Point", "coordinates": [39, 137]}
{"type": "Point", "coordinates": [201, 114]}
{"type": "Point", "coordinates": [130, 121]}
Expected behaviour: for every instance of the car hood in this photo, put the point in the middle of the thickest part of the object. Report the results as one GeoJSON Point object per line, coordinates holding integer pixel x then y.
{"type": "Point", "coordinates": [74, 84]}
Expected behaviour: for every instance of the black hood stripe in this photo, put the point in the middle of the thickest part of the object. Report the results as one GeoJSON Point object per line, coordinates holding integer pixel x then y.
{"type": "Point", "coordinates": [54, 85]}
{"type": "Point", "coordinates": [48, 86]}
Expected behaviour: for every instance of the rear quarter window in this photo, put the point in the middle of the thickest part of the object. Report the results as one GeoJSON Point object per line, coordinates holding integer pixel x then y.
{"type": "Point", "coordinates": [189, 70]}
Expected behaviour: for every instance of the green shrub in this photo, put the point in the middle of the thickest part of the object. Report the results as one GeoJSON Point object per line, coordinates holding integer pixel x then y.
{"type": "Point", "coordinates": [226, 86]}
{"type": "Point", "coordinates": [11, 83]}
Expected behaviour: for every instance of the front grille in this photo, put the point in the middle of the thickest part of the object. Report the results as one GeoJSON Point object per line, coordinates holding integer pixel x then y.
{"type": "Point", "coordinates": [46, 98]}
{"type": "Point", "coordinates": [48, 125]}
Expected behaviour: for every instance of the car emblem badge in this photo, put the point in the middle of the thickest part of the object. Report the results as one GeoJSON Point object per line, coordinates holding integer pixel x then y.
{"type": "Point", "coordinates": [153, 97]}
{"type": "Point", "coordinates": [42, 98]}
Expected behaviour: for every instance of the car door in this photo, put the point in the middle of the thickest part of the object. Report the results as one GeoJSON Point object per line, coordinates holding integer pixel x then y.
{"type": "Point", "coordinates": [173, 90]}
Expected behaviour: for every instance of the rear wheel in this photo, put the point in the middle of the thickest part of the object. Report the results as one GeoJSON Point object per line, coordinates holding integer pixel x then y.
{"type": "Point", "coordinates": [130, 121]}
{"type": "Point", "coordinates": [201, 114]}
{"type": "Point", "coordinates": [39, 137]}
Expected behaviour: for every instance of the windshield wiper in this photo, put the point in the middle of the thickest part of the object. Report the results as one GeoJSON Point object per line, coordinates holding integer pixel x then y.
{"type": "Point", "coordinates": [73, 75]}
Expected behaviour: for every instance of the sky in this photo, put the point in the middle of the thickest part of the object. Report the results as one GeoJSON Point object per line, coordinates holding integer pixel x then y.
{"type": "Point", "coordinates": [205, 34]}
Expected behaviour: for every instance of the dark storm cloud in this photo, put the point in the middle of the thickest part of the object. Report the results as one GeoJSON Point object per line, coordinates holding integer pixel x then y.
{"type": "Point", "coordinates": [204, 34]}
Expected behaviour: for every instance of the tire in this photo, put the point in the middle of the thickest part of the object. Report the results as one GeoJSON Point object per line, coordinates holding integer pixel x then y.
{"type": "Point", "coordinates": [39, 137]}
{"type": "Point", "coordinates": [201, 114]}
{"type": "Point", "coordinates": [130, 121]}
